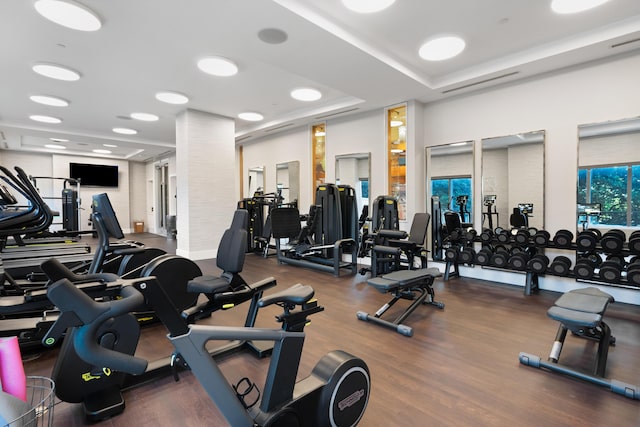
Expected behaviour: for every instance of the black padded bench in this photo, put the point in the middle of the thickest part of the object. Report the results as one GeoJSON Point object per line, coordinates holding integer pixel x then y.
{"type": "Point", "coordinates": [413, 285]}
{"type": "Point", "coordinates": [581, 311]}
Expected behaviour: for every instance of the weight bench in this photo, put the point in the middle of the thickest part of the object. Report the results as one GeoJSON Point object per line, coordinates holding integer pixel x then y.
{"type": "Point", "coordinates": [413, 285]}
{"type": "Point", "coordinates": [581, 311]}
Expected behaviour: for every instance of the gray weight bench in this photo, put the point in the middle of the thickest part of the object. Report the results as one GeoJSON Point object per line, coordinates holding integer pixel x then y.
{"type": "Point", "coordinates": [581, 311]}
{"type": "Point", "coordinates": [413, 285]}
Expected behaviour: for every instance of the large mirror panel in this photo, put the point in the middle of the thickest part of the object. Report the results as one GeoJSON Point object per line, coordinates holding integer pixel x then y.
{"type": "Point", "coordinates": [355, 169]}
{"type": "Point", "coordinates": [450, 184]}
{"type": "Point", "coordinates": [609, 175]}
{"type": "Point", "coordinates": [513, 181]}
{"type": "Point", "coordinates": [256, 180]}
{"type": "Point", "coordinates": [288, 181]}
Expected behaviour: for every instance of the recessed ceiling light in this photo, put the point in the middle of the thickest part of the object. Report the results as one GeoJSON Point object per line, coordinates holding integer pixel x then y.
{"type": "Point", "coordinates": [306, 94]}
{"type": "Point", "coordinates": [45, 119]}
{"type": "Point", "coordinates": [59, 140]}
{"type": "Point", "coordinates": [69, 14]}
{"type": "Point", "coordinates": [396, 150]}
{"type": "Point", "coordinates": [395, 123]}
{"type": "Point", "coordinates": [55, 146]}
{"type": "Point", "coordinates": [125, 131]}
{"type": "Point", "coordinates": [367, 6]}
{"type": "Point", "coordinates": [172, 97]}
{"type": "Point", "coordinates": [110, 145]}
{"type": "Point", "coordinates": [145, 117]}
{"type": "Point", "coordinates": [101, 151]}
{"type": "Point", "coordinates": [251, 116]}
{"type": "Point", "coordinates": [57, 72]}
{"type": "Point", "coordinates": [49, 100]}
{"type": "Point", "coordinates": [218, 66]}
{"type": "Point", "coordinates": [442, 48]}
{"type": "Point", "coordinates": [574, 6]}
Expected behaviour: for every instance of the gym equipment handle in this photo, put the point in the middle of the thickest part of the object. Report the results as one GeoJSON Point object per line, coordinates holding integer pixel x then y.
{"type": "Point", "coordinates": [92, 314]}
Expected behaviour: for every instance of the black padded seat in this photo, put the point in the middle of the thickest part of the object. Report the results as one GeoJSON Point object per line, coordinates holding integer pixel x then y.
{"type": "Point", "coordinates": [297, 294]}
{"type": "Point", "coordinates": [207, 284]}
{"type": "Point", "coordinates": [402, 278]}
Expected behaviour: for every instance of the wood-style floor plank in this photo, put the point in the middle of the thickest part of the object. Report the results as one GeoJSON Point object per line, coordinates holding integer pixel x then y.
{"type": "Point", "coordinates": [460, 368]}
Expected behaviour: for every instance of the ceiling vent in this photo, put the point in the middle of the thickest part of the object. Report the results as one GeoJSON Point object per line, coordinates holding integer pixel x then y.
{"type": "Point", "coordinates": [481, 82]}
{"type": "Point", "coordinates": [242, 138]}
{"type": "Point", "coordinates": [613, 46]}
{"type": "Point", "coordinates": [279, 127]}
{"type": "Point", "coordinates": [335, 114]}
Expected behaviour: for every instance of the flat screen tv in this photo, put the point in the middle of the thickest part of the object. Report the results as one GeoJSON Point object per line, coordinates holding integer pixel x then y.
{"type": "Point", "coordinates": [94, 175]}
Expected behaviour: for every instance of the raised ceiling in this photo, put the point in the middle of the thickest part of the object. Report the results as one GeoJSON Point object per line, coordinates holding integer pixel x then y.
{"type": "Point", "coordinates": [358, 61]}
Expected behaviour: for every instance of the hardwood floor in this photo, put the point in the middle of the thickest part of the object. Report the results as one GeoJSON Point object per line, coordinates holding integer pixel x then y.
{"type": "Point", "coordinates": [460, 368]}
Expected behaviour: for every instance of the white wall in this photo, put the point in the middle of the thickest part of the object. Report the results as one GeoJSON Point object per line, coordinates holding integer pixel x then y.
{"type": "Point", "coordinates": [48, 165]}
{"type": "Point", "coordinates": [557, 104]}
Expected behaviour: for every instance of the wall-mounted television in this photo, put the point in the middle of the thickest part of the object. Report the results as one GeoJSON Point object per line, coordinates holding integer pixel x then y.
{"type": "Point", "coordinates": [94, 175]}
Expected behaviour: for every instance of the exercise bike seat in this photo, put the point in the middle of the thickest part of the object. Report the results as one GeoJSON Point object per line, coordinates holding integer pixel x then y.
{"type": "Point", "coordinates": [297, 294]}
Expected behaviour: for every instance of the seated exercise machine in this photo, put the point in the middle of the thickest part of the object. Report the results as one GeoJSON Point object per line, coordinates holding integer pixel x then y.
{"type": "Point", "coordinates": [581, 311]}
{"type": "Point", "coordinates": [321, 244]}
{"type": "Point", "coordinates": [412, 285]}
{"type": "Point", "coordinates": [384, 216]}
{"type": "Point", "coordinates": [395, 249]}
{"type": "Point", "coordinates": [182, 281]}
{"type": "Point", "coordinates": [335, 394]}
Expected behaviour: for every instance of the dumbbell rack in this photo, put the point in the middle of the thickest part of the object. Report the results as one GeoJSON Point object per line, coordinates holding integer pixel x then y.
{"type": "Point", "coordinates": [609, 272]}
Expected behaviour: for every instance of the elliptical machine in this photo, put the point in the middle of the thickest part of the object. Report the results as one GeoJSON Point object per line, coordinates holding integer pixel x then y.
{"type": "Point", "coordinates": [334, 395]}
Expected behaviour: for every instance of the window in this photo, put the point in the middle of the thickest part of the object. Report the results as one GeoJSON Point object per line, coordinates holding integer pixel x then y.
{"type": "Point", "coordinates": [616, 189]}
{"type": "Point", "coordinates": [455, 195]}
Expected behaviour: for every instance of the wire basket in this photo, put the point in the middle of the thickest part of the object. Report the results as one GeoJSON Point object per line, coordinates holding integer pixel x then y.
{"type": "Point", "coordinates": [40, 397]}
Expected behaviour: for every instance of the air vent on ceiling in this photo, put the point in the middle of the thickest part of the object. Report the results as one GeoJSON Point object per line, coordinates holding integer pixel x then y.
{"type": "Point", "coordinates": [336, 114]}
{"type": "Point", "coordinates": [4, 138]}
{"type": "Point", "coordinates": [613, 46]}
{"type": "Point", "coordinates": [481, 82]}
{"type": "Point", "coordinates": [279, 127]}
{"type": "Point", "coordinates": [243, 138]}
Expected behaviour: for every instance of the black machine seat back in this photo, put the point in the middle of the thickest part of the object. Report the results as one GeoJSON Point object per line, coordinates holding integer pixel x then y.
{"type": "Point", "coordinates": [452, 221]}
{"type": "Point", "coordinates": [518, 219]}
{"type": "Point", "coordinates": [285, 223]}
{"type": "Point", "coordinates": [233, 244]}
{"type": "Point", "coordinates": [419, 225]}
{"type": "Point", "coordinates": [384, 214]}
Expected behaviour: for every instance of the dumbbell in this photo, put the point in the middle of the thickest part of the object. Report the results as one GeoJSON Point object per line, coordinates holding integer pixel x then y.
{"type": "Point", "coordinates": [612, 241]}
{"type": "Point", "coordinates": [451, 254]}
{"type": "Point", "coordinates": [585, 266]}
{"type": "Point", "coordinates": [503, 236]}
{"type": "Point", "coordinates": [486, 236]}
{"type": "Point", "coordinates": [467, 255]}
{"type": "Point", "coordinates": [560, 266]}
{"type": "Point", "coordinates": [470, 235]}
{"type": "Point", "coordinates": [483, 257]}
{"type": "Point", "coordinates": [455, 235]}
{"type": "Point", "coordinates": [519, 260]}
{"type": "Point", "coordinates": [634, 242]}
{"type": "Point", "coordinates": [538, 264]}
{"type": "Point", "coordinates": [588, 239]}
{"type": "Point", "coordinates": [563, 238]}
{"type": "Point", "coordinates": [500, 257]}
{"type": "Point", "coordinates": [541, 238]}
{"type": "Point", "coordinates": [522, 236]}
{"type": "Point", "coordinates": [633, 273]}
{"type": "Point", "coordinates": [611, 269]}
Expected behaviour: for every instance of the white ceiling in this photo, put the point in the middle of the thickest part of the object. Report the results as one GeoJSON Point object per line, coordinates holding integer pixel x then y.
{"type": "Point", "coordinates": [359, 62]}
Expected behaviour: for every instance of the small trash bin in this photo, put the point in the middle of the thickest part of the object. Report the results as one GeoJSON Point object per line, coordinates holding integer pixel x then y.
{"type": "Point", "coordinates": [170, 225]}
{"type": "Point", "coordinates": [138, 226]}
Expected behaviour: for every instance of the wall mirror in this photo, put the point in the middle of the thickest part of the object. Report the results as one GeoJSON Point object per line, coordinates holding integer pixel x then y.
{"type": "Point", "coordinates": [354, 170]}
{"type": "Point", "coordinates": [608, 193]}
{"type": "Point", "coordinates": [256, 180]}
{"type": "Point", "coordinates": [513, 181]}
{"type": "Point", "coordinates": [288, 181]}
{"type": "Point", "coordinates": [449, 178]}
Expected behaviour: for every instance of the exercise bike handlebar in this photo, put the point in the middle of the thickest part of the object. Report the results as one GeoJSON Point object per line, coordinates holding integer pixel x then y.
{"type": "Point", "coordinates": [68, 298]}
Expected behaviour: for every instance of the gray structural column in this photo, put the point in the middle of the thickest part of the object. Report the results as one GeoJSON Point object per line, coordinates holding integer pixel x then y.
{"type": "Point", "coordinates": [205, 180]}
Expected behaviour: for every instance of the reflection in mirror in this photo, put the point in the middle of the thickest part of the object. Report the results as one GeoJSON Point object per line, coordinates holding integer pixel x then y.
{"type": "Point", "coordinates": [288, 181]}
{"type": "Point", "coordinates": [609, 174]}
{"type": "Point", "coordinates": [513, 181]}
{"type": "Point", "coordinates": [354, 170]}
{"type": "Point", "coordinates": [256, 180]}
{"type": "Point", "coordinates": [450, 180]}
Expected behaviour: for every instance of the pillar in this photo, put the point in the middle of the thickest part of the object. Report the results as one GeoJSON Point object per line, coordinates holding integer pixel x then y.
{"type": "Point", "coordinates": [206, 184]}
